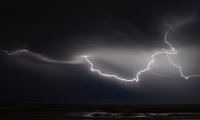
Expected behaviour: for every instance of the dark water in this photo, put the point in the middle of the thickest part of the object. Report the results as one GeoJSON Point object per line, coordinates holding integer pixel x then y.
{"type": "Point", "coordinates": [62, 112]}
{"type": "Point", "coordinates": [98, 116]}
{"type": "Point", "coordinates": [106, 115]}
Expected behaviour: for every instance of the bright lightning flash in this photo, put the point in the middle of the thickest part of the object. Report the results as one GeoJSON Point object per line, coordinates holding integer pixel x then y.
{"type": "Point", "coordinates": [168, 52]}
{"type": "Point", "coordinates": [171, 51]}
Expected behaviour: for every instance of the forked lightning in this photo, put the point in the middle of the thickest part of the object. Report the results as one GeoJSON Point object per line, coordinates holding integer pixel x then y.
{"type": "Point", "coordinates": [171, 51]}
{"type": "Point", "coordinates": [167, 52]}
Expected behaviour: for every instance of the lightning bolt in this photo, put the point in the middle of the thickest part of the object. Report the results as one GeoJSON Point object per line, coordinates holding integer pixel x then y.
{"type": "Point", "coordinates": [119, 78]}
{"type": "Point", "coordinates": [171, 51]}
{"type": "Point", "coordinates": [167, 52]}
{"type": "Point", "coordinates": [14, 52]}
{"type": "Point", "coordinates": [40, 57]}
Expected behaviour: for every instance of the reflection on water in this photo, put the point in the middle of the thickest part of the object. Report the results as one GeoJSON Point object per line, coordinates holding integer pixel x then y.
{"type": "Point", "coordinates": [61, 112]}
{"type": "Point", "coordinates": [98, 114]}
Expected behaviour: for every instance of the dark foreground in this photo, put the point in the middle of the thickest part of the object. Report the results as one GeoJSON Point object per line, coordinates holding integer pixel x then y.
{"type": "Point", "coordinates": [98, 112]}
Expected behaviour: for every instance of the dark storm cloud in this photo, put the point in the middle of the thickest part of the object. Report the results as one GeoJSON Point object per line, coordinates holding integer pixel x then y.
{"type": "Point", "coordinates": [109, 32]}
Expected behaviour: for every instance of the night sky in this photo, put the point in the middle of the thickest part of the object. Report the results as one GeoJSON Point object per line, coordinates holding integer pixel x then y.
{"type": "Point", "coordinates": [119, 37]}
